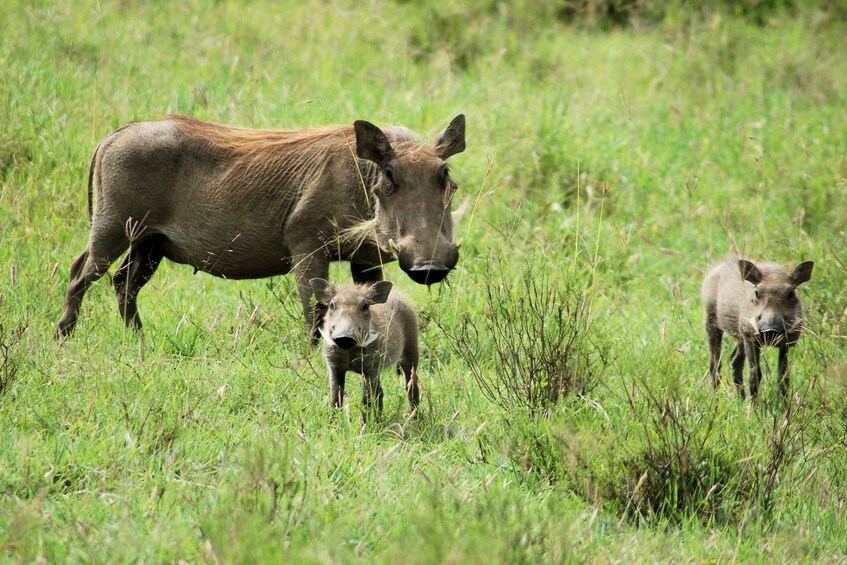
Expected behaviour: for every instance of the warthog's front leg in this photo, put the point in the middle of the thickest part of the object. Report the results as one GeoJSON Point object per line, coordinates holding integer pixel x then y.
{"type": "Point", "coordinates": [135, 271]}
{"type": "Point", "coordinates": [306, 268]}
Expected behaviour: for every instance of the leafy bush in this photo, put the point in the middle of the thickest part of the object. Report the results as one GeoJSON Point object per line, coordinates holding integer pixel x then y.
{"type": "Point", "coordinates": [540, 340]}
{"type": "Point", "coordinates": [684, 464]}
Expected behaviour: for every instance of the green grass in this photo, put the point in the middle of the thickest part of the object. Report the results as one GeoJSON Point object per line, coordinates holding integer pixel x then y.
{"type": "Point", "coordinates": [212, 439]}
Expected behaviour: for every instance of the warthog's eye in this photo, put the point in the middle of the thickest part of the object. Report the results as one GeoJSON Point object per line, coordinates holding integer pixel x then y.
{"type": "Point", "coordinates": [389, 175]}
{"type": "Point", "coordinates": [756, 295]}
{"type": "Point", "coordinates": [791, 295]}
{"type": "Point", "coordinates": [331, 306]}
{"type": "Point", "coordinates": [365, 306]}
{"type": "Point", "coordinates": [450, 187]}
{"type": "Point", "coordinates": [447, 181]}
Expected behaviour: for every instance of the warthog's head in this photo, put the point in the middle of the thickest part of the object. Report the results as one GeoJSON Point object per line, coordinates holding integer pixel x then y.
{"type": "Point", "coordinates": [413, 218]}
{"type": "Point", "coordinates": [774, 309]}
{"type": "Point", "coordinates": [347, 323]}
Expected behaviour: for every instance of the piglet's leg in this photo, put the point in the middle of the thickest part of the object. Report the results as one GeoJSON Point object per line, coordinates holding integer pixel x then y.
{"type": "Point", "coordinates": [738, 369]}
{"type": "Point", "coordinates": [336, 386]}
{"type": "Point", "coordinates": [714, 336]}
{"type": "Point", "coordinates": [372, 391]}
{"type": "Point", "coordinates": [752, 352]}
{"type": "Point", "coordinates": [783, 370]}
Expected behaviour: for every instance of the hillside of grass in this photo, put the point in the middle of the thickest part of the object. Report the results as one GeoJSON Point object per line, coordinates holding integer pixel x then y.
{"type": "Point", "coordinates": [566, 415]}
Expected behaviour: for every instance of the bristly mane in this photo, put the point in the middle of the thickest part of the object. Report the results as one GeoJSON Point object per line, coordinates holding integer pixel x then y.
{"type": "Point", "coordinates": [247, 140]}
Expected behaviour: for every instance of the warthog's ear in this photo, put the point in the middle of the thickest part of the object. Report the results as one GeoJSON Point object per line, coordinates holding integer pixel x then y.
{"type": "Point", "coordinates": [378, 292]}
{"type": "Point", "coordinates": [452, 139]}
{"type": "Point", "coordinates": [802, 273]}
{"type": "Point", "coordinates": [749, 271]}
{"type": "Point", "coordinates": [371, 143]}
{"type": "Point", "coordinates": [323, 290]}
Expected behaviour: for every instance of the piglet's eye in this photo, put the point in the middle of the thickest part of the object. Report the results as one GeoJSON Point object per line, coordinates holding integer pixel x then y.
{"type": "Point", "coordinates": [791, 295]}
{"type": "Point", "coordinates": [756, 294]}
{"type": "Point", "coordinates": [365, 306]}
{"type": "Point", "coordinates": [332, 306]}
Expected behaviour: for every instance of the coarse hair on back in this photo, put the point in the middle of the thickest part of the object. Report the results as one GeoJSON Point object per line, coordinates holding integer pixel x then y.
{"type": "Point", "coordinates": [248, 140]}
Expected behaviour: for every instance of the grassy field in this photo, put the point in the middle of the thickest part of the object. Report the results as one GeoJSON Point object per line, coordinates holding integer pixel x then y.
{"type": "Point", "coordinates": [607, 167]}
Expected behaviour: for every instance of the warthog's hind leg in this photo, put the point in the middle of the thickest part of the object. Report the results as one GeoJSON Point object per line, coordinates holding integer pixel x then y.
{"type": "Point", "coordinates": [410, 372]}
{"type": "Point", "coordinates": [102, 250]}
{"type": "Point", "coordinates": [135, 271]}
{"type": "Point", "coordinates": [715, 336]}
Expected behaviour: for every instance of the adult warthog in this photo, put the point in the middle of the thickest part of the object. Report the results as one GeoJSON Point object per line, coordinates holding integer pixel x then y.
{"type": "Point", "coordinates": [244, 203]}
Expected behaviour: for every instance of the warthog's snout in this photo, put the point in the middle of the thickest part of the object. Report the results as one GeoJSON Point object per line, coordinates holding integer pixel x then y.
{"type": "Point", "coordinates": [774, 330]}
{"type": "Point", "coordinates": [345, 341]}
{"type": "Point", "coordinates": [429, 270]}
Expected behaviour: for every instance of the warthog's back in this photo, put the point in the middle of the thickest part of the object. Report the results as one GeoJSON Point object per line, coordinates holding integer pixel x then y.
{"type": "Point", "coordinates": [225, 197]}
{"type": "Point", "coordinates": [725, 296]}
{"type": "Point", "coordinates": [723, 293]}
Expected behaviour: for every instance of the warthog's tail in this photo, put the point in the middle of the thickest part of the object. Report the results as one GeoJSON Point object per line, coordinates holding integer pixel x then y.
{"type": "Point", "coordinates": [91, 185]}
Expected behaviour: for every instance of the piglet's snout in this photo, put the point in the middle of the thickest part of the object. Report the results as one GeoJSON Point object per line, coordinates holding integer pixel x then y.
{"type": "Point", "coordinates": [344, 341]}
{"type": "Point", "coordinates": [348, 334]}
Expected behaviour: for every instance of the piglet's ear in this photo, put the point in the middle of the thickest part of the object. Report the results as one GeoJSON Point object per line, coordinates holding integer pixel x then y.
{"type": "Point", "coordinates": [802, 273]}
{"type": "Point", "coordinates": [749, 271]}
{"type": "Point", "coordinates": [371, 143]}
{"type": "Point", "coordinates": [378, 292]}
{"type": "Point", "coordinates": [323, 290]}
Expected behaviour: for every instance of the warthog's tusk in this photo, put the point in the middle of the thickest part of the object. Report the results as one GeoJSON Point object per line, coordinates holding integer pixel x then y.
{"type": "Point", "coordinates": [393, 247]}
{"type": "Point", "coordinates": [460, 243]}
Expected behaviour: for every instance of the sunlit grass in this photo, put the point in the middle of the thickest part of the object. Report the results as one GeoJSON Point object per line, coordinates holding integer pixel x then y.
{"type": "Point", "coordinates": [630, 158]}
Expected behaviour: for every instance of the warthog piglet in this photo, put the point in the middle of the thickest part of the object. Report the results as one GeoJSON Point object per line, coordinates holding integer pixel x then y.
{"type": "Point", "coordinates": [758, 306]}
{"type": "Point", "coordinates": [367, 328]}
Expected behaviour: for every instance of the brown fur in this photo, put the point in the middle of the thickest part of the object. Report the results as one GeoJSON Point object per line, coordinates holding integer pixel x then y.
{"type": "Point", "coordinates": [758, 306]}
{"type": "Point", "coordinates": [243, 203]}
